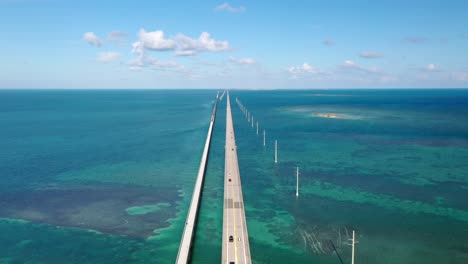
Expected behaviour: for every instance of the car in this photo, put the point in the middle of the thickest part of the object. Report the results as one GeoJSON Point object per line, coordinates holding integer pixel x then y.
{"type": "Point", "coordinates": [231, 239]}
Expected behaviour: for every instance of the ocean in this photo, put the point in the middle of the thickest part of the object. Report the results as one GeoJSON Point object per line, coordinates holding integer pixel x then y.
{"type": "Point", "coordinates": [106, 176]}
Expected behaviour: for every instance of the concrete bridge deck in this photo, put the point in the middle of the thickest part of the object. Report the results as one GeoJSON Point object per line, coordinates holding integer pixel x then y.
{"type": "Point", "coordinates": [183, 256]}
{"type": "Point", "coordinates": [236, 247]}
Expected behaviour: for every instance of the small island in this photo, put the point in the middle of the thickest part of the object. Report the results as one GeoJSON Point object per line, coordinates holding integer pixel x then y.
{"type": "Point", "coordinates": [334, 115]}
{"type": "Point", "coordinates": [329, 115]}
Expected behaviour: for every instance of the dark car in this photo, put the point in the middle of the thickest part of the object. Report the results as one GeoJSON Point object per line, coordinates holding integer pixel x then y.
{"type": "Point", "coordinates": [231, 239]}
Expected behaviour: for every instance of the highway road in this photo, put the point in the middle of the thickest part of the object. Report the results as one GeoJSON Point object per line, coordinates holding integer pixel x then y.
{"type": "Point", "coordinates": [236, 249]}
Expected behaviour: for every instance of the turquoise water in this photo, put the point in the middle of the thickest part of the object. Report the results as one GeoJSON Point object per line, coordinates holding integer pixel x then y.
{"type": "Point", "coordinates": [106, 176]}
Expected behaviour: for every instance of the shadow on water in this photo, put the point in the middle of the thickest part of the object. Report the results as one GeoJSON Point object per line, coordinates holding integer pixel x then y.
{"type": "Point", "coordinates": [337, 254]}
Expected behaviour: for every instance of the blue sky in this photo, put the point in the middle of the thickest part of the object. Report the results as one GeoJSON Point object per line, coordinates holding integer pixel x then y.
{"type": "Point", "coordinates": [235, 44]}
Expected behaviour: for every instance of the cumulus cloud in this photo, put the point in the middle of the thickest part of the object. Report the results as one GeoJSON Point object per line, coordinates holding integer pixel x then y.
{"type": "Point", "coordinates": [191, 46]}
{"type": "Point", "coordinates": [302, 69]}
{"type": "Point", "coordinates": [371, 55]}
{"type": "Point", "coordinates": [108, 56]}
{"type": "Point", "coordinates": [242, 61]}
{"type": "Point", "coordinates": [352, 66]}
{"type": "Point", "coordinates": [227, 7]}
{"type": "Point", "coordinates": [181, 44]}
{"type": "Point", "coordinates": [92, 39]}
{"type": "Point", "coordinates": [144, 60]}
{"type": "Point", "coordinates": [139, 50]}
{"type": "Point", "coordinates": [154, 40]}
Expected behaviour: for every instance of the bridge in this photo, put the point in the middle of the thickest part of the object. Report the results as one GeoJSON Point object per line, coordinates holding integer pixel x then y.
{"type": "Point", "coordinates": [190, 224]}
{"type": "Point", "coordinates": [235, 247]}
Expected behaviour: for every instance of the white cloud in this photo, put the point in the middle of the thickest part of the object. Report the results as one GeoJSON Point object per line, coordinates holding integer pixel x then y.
{"type": "Point", "coordinates": [108, 56]}
{"type": "Point", "coordinates": [92, 39]}
{"type": "Point", "coordinates": [227, 7]}
{"type": "Point", "coordinates": [431, 68]}
{"type": "Point", "coordinates": [137, 47]}
{"type": "Point", "coordinates": [182, 44]}
{"type": "Point", "coordinates": [352, 66]}
{"type": "Point", "coordinates": [242, 61]}
{"type": "Point", "coordinates": [349, 64]}
{"type": "Point", "coordinates": [144, 60]}
{"type": "Point", "coordinates": [154, 40]}
{"type": "Point", "coordinates": [187, 45]}
{"type": "Point", "coordinates": [371, 55]}
{"type": "Point", "coordinates": [139, 50]}
{"type": "Point", "coordinates": [305, 68]}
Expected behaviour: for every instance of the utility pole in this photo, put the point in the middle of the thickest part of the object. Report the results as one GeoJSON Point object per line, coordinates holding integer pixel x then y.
{"type": "Point", "coordinates": [264, 137]}
{"type": "Point", "coordinates": [297, 181]}
{"type": "Point", "coordinates": [276, 151]}
{"type": "Point", "coordinates": [353, 242]}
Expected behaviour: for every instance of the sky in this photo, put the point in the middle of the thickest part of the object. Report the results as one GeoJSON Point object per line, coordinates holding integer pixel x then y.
{"type": "Point", "coordinates": [235, 44]}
